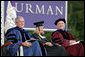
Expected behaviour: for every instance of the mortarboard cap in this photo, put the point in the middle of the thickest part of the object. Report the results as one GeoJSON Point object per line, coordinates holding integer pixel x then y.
{"type": "Point", "coordinates": [61, 19]}
{"type": "Point", "coordinates": [39, 23]}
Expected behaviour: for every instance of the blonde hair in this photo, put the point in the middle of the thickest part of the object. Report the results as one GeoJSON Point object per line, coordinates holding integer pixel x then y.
{"type": "Point", "coordinates": [37, 31]}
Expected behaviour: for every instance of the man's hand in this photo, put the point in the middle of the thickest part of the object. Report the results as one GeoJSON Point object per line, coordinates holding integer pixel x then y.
{"type": "Point", "coordinates": [71, 42]}
{"type": "Point", "coordinates": [26, 43]}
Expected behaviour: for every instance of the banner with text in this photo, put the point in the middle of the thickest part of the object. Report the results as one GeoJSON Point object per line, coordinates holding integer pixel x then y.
{"type": "Point", "coordinates": [34, 11]}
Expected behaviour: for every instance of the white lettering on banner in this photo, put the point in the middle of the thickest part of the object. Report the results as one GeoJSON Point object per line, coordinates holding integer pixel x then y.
{"type": "Point", "coordinates": [57, 9]}
{"type": "Point", "coordinates": [18, 10]}
{"type": "Point", "coordinates": [50, 10]}
{"type": "Point", "coordinates": [30, 8]}
{"type": "Point", "coordinates": [39, 10]}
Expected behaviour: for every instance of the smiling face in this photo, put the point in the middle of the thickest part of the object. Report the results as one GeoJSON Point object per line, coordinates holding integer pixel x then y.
{"type": "Point", "coordinates": [41, 29]}
{"type": "Point", "coordinates": [60, 25]}
{"type": "Point", "coordinates": [20, 23]}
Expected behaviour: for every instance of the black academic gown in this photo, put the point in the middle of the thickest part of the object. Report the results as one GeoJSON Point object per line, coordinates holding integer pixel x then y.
{"type": "Point", "coordinates": [56, 50]}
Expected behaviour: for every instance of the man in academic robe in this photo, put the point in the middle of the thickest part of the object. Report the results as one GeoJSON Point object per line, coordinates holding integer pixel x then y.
{"type": "Point", "coordinates": [48, 48]}
{"type": "Point", "coordinates": [66, 39]}
{"type": "Point", "coordinates": [18, 36]}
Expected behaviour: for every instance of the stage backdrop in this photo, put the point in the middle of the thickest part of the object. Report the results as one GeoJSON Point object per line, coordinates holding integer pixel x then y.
{"type": "Point", "coordinates": [34, 11]}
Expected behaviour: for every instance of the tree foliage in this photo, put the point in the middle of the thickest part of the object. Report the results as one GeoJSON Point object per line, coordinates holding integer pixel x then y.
{"type": "Point", "coordinates": [76, 18]}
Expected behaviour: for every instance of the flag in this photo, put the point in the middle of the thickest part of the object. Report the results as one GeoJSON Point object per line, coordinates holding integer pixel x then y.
{"type": "Point", "coordinates": [11, 15]}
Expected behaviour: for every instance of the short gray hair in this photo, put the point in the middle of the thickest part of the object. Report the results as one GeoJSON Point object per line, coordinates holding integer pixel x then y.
{"type": "Point", "coordinates": [18, 17]}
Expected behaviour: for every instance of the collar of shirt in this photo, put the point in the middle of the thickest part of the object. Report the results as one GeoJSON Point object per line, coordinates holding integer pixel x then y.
{"type": "Point", "coordinates": [42, 36]}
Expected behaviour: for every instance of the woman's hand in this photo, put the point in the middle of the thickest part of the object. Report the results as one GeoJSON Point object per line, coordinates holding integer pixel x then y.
{"type": "Point", "coordinates": [49, 44]}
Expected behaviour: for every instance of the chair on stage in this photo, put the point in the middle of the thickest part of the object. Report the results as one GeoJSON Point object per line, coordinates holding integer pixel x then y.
{"type": "Point", "coordinates": [4, 50]}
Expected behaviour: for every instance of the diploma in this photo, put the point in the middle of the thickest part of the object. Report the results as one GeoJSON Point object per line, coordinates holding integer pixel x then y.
{"type": "Point", "coordinates": [76, 42]}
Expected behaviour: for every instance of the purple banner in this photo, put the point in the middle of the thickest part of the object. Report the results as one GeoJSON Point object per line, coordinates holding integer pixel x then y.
{"type": "Point", "coordinates": [34, 11]}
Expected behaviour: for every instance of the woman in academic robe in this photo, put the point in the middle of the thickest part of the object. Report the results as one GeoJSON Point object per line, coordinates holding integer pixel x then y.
{"type": "Point", "coordinates": [48, 48]}
{"type": "Point", "coordinates": [67, 40]}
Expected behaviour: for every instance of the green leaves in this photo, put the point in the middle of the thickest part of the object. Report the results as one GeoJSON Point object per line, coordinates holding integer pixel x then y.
{"type": "Point", "coordinates": [76, 18]}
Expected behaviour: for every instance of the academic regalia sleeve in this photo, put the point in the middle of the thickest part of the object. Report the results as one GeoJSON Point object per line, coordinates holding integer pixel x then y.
{"type": "Point", "coordinates": [58, 38]}
{"type": "Point", "coordinates": [36, 36]}
{"type": "Point", "coordinates": [43, 41]}
{"type": "Point", "coordinates": [13, 37]}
